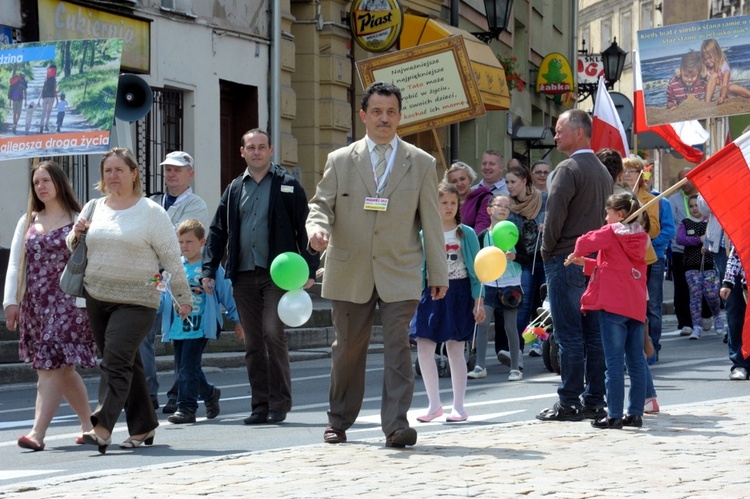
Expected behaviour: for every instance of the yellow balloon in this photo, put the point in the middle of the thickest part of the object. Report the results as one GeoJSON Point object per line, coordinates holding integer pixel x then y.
{"type": "Point", "coordinates": [490, 263]}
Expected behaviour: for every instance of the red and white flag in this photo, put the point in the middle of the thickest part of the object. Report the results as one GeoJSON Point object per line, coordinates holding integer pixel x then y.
{"type": "Point", "coordinates": [722, 179]}
{"type": "Point", "coordinates": [607, 130]}
{"type": "Point", "coordinates": [681, 135]}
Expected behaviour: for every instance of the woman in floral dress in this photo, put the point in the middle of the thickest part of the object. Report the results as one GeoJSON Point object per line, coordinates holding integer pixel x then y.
{"type": "Point", "coordinates": [55, 334]}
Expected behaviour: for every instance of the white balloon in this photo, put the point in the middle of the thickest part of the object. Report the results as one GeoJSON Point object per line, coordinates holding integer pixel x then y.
{"type": "Point", "coordinates": [295, 307]}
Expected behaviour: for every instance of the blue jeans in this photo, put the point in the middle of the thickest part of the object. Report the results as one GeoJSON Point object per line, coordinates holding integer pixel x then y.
{"type": "Point", "coordinates": [191, 382]}
{"type": "Point", "coordinates": [655, 278]}
{"type": "Point", "coordinates": [735, 309]}
{"type": "Point", "coordinates": [530, 283]}
{"type": "Point", "coordinates": [577, 335]}
{"type": "Point", "coordinates": [622, 338]}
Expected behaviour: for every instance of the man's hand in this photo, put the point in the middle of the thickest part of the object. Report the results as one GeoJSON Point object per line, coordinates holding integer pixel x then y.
{"type": "Point", "coordinates": [438, 292]}
{"type": "Point", "coordinates": [319, 241]}
{"type": "Point", "coordinates": [239, 333]}
{"type": "Point", "coordinates": [723, 292]}
{"type": "Point", "coordinates": [309, 283]}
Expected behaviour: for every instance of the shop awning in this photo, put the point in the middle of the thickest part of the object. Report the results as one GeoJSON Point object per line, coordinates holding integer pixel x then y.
{"type": "Point", "coordinates": [488, 71]}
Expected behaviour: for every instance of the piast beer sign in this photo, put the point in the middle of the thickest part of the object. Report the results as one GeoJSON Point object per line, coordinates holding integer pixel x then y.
{"type": "Point", "coordinates": [376, 24]}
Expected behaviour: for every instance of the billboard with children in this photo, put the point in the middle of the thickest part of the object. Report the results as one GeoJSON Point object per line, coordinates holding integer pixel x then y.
{"type": "Point", "coordinates": [58, 98]}
{"type": "Point", "coordinates": [696, 70]}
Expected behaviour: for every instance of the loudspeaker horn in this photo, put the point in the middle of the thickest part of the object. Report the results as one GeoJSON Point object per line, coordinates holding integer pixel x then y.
{"type": "Point", "coordinates": [134, 98]}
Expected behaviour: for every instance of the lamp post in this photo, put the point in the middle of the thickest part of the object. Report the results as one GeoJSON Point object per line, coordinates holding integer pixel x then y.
{"type": "Point", "coordinates": [498, 17]}
{"type": "Point", "coordinates": [613, 60]}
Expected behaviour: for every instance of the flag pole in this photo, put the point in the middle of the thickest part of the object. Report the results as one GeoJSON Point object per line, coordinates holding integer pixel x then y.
{"type": "Point", "coordinates": [656, 199]}
{"type": "Point", "coordinates": [643, 208]}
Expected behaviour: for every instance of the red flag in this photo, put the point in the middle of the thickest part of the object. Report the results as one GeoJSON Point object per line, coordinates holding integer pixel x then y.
{"type": "Point", "coordinates": [681, 136]}
{"type": "Point", "coordinates": [721, 180]}
{"type": "Point", "coordinates": [607, 129]}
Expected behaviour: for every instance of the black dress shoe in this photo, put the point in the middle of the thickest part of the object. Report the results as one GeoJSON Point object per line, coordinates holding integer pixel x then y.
{"type": "Point", "coordinates": [256, 418]}
{"type": "Point", "coordinates": [594, 412]}
{"type": "Point", "coordinates": [607, 423]}
{"type": "Point", "coordinates": [636, 421]}
{"type": "Point", "coordinates": [276, 416]}
{"type": "Point", "coordinates": [334, 435]}
{"type": "Point", "coordinates": [212, 404]}
{"type": "Point", "coordinates": [181, 417]}
{"type": "Point", "coordinates": [401, 438]}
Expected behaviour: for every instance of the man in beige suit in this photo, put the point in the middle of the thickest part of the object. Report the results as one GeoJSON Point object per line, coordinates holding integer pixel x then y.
{"type": "Point", "coordinates": [374, 198]}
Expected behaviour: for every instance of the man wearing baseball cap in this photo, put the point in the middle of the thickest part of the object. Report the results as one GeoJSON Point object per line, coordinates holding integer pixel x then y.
{"type": "Point", "coordinates": [181, 204]}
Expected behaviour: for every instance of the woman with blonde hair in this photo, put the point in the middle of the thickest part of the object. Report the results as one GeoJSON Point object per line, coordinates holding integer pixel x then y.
{"type": "Point", "coordinates": [128, 237]}
{"type": "Point", "coordinates": [473, 201]}
{"type": "Point", "coordinates": [55, 334]}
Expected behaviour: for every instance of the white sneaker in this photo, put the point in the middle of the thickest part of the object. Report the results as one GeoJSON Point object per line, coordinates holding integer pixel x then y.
{"type": "Point", "coordinates": [738, 374]}
{"type": "Point", "coordinates": [478, 372]}
{"type": "Point", "coordinates": [515, 375]}
{"type": "Point", "coordinates": [536, 350]}
{"type": "Point", "coordinates": [706, 324]}
{"type": "Point", "coordinates": [696, 333]}
{"type": "Point", "coordinates": [686, 331]}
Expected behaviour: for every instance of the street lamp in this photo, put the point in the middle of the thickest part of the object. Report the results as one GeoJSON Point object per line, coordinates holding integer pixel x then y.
{"type": "Point", "coordinates": [613, 60]}
{"type": "Point", "coordinates": [498, 17]}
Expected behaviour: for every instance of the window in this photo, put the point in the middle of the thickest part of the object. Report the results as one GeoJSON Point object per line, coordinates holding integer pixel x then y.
{"type": "Point", "coordinates": [647, 15]}
{"type": "Point", "coordinates": [157, 134]}
{"type": "Point", "coordinates": [626, 34]}
{"type": "Point", "coordinates": [185, 6]}
{"type": "Point", "coordinates": [606, 35]}
{"type": "Point", "coordinates": [586, 38]}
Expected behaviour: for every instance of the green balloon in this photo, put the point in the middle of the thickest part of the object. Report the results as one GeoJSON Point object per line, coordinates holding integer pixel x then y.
{"type": "Point", "coordinates": [289, 271]}
{"type": "Point", "coordinates": [505, 235]}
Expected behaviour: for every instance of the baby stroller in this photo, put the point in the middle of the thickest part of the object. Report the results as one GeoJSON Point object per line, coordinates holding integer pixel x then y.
{"type": "Point", "coordinates": [541, 328]}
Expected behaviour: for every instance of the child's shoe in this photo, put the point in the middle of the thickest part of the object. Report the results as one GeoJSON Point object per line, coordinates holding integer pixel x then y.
{"type": "Point", "coordinates": [718, 325]}
{"type": "Point", "coordinates": [696, 333]}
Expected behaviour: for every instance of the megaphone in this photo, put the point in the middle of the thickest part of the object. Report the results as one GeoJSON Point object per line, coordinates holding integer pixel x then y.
{"type": "Point", "coordinates": [134, 98]}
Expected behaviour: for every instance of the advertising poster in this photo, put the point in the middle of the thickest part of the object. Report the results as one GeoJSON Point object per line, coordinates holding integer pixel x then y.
{"type": "Point", "coordinates": [58, 97]}
{"type": "Point", "coordinates": [696, 70]}
{"type": "Point", "coordinates": [436, 81]}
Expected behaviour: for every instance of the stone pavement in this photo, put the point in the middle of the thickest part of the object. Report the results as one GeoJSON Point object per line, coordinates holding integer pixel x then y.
{"type": "Point", "coordinates": [696, 450]}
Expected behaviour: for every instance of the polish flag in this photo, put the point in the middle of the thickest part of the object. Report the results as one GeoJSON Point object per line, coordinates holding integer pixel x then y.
{"type": "Point", "coordinates": [722, 179]}
{"type": "Point", "coordinates": [607, 130]}
{"type": "Point", "coordinates": [681, 136]}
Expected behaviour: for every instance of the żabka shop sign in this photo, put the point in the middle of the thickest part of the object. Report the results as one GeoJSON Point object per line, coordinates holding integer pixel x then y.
{"type": "Point", "coordinates": [376, 24]}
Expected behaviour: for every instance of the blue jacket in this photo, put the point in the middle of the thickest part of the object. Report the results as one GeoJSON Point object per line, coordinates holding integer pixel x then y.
{"type": "Point", "coordinates": [212, 319]}
{"type": "Point", "coordinates": [668, 228]}
{"type": "Point", "coordinates": [470, 248]}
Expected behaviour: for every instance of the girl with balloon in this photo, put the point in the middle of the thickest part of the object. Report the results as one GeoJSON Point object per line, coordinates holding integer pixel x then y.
{"type": "Point", "coordinates": [450, 320]}
{"type": "Point", "coordinates": [499, 270]}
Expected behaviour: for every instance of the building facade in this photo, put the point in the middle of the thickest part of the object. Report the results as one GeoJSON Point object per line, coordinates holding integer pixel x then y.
{"type": "Point", "coordinates": [220, 68]}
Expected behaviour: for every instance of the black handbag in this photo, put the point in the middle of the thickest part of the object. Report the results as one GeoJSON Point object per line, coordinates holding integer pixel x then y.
{"type": "Point", "coordinates": [71, 278]}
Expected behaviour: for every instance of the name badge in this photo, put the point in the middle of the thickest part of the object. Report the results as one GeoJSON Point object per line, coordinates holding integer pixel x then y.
{"type": "Point", "coordinates": [376, 204]}
{"type": "Point", "coordinates": [287, 188]}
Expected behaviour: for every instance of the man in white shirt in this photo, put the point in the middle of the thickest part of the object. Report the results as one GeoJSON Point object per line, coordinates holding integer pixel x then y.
{"type": "Point", "coordinates": [493, 172]}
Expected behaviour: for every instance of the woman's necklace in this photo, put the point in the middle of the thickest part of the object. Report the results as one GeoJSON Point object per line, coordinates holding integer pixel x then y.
{"type": "Point", "coordinates": [50, 226]}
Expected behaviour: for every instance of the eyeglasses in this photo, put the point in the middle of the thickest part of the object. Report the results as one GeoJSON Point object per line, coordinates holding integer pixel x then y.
{"type": "Point", "coordinates": [541, 172]}
{"type": "Point", "coordinates": [631, 172]}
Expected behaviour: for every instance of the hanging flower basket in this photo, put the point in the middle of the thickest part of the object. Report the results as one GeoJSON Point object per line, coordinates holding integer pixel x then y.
{"type": "Point", "coordinates": [512, 76]}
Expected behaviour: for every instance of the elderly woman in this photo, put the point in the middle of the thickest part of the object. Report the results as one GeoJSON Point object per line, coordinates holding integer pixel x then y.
{"type": "Point", "coordinates": [55, 334]}
{"type": "Point", "coordinates": [127, 238]}
{"type": "Point", "coordinates": [473, 202]}
{"type": "Point", "coordinates": [527, 207]}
